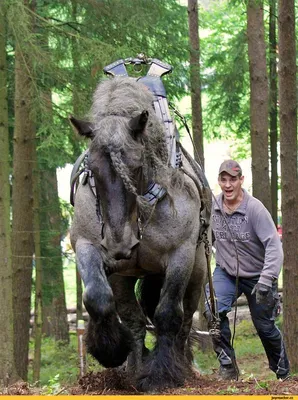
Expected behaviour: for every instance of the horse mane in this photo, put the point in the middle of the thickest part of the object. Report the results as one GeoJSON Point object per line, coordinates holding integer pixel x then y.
{"type": "Point", "coordinates": [115, 102]}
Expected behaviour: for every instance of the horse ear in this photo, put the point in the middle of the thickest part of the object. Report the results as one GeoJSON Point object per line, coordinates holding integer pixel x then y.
{"type": "Point", "coordinates": [83, 128]}
{"type": "Point", "coordinates": [137, 124]}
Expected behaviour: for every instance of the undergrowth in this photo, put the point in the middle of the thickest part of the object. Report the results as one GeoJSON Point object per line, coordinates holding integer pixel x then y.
{"type": "Point", "coordinates": [59, 364]}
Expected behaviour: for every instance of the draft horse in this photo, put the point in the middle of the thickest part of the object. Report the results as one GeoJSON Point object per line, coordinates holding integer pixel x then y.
{"type": "Point", "coordinates": [120, 239]}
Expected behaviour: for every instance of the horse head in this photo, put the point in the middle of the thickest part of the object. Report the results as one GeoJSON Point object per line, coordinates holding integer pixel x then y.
{"type": "Point", "coordinates": [116, 158]}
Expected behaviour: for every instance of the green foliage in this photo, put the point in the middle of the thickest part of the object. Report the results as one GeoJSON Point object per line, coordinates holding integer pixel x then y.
{"type": "Point", "coordinates": [225, 72]}
{"type": "Point", "coordinates": [279, 322]}
{"type": "Point", "coordinates": [67, 214]}
{"type": "Point", "coordinates": [53, 386]}
{"type": "Point", "coordinates": [246, 329]}
{"type": "Point", "coordinates": [263, 385]}
{"type": "Point", "coordinates": [66, 45]}
{"type": "Point", "coordinates": [150, 341]}
{"type": "Point", "coordinates": [205, 362]}
{"type": "Point", "coordinates": [59, 364]}
{"type": "Point", "coordinates": [229, 390]}
{"type": "Point", "coordinates": [247, 342]}
{"type": "Point", "coordinates": [69, 273]}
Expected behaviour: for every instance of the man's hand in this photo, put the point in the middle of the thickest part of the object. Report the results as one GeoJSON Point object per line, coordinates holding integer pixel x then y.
{"type": "Point", "coordinates": [264, 294]}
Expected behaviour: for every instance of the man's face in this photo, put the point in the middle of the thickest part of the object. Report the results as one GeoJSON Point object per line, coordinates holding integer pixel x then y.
{"type": "Point", "coordinates": [230, 186]}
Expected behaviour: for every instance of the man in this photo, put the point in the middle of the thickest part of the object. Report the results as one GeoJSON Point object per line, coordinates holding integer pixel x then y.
{"type": "Point", "coordinates": [249, 257]}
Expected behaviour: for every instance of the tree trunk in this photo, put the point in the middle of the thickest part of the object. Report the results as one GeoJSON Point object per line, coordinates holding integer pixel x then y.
{"type": "Point", "coordinates": [197, 121]}
{"type": "Point", "coordinates": [7, 366]}
{"type": "Point", "coordinates": [38, 279]}
{"type": "Point", "coordinates": [195, 81]}
{"type": "Point", "coordinates": [22, 202]}
{"type": "Point", "coordinates": [289, 178]}
{"type": "Point", "coordinates": [273, 110]}
{"type": "Point", "coordinates": [75, 102]}
{"type": "Point", "coordinates": [54, 313]}
{"type": "Point", "coordinates": [54, 305]}
{"type": "Point", "coordinates": [258, 102]}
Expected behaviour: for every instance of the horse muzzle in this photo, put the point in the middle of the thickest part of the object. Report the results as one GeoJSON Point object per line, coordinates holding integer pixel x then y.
{"type": "Point", "coordinates": [121, 250]}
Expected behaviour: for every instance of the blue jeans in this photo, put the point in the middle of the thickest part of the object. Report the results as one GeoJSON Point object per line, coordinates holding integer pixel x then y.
{"type": "Point", "coordinates": [263, 318]}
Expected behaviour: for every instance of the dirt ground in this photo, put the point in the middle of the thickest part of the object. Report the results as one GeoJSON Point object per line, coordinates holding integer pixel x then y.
{"type": "Point", "coordinates": [113, 382]}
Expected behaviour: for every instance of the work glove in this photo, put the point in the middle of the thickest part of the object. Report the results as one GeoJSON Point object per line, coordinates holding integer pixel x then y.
{"type": "Point", "coordinates": [264, 294]}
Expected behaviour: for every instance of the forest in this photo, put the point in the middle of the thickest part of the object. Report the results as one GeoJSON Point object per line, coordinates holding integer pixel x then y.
{"type": "Point", "coordinates": [234, 62]}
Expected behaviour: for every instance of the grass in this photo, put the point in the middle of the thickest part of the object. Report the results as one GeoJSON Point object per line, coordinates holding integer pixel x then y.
{"type": "Point", "coordinates": [69, 274]}
{"type": "Point", "coordinates": [59, 364]}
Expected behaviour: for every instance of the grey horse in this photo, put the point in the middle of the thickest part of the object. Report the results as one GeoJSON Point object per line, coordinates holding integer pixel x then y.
{"type": "Point", "coordinates": [139, 262]}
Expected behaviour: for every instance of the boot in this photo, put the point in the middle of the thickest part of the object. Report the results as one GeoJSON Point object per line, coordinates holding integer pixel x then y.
{"type": "Point", "coordinates": [228, 372]}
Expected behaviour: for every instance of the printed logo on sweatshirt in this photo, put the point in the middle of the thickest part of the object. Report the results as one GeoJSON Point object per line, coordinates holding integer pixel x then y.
{"type": "Point", "coordinates": [237, 224]}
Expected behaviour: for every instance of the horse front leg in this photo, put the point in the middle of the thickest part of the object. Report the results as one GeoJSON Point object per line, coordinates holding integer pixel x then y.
{"type": "Point", "coordinates": [107, 339]}
{"type": "Point", "coordinates": [131, 316]}
{"type": "Point", "coordinates": [168, 366]}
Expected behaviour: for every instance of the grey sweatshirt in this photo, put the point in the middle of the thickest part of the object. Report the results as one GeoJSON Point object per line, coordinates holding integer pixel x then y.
{"type": "Point", "coordinates": [255, 236]}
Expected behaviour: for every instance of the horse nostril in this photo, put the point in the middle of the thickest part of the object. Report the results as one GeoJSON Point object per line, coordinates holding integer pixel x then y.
{"type": "Point", "coordinates": [119, 251]}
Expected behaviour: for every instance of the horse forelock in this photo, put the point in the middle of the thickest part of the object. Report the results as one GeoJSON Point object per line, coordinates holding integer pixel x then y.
{"type": "Point", "coordinates": [120, 96]}
{"type": "Point", "coordinates": [112, 133]}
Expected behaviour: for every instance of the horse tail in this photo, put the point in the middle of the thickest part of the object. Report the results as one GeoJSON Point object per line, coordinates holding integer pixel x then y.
{"type": "Point", "coordinates": [108, 341]}
{"type": "Point", "coordinates": [148, 293]}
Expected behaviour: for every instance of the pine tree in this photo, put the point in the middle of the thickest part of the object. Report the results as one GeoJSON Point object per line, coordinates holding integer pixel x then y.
{"type": "Point", "coordinates": [22, 196]}
{"type": "Point", "coordinates": [289, 177]}
{"type": "Point", "coordinates": [7, 366]}
{"type": "Point", "coordinates": [258, 102]}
